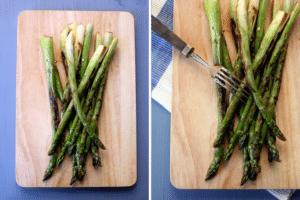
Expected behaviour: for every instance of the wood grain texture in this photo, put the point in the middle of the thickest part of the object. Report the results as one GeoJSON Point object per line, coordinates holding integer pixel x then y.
{"type": "Point", "coordinates": [194, 111]}
{"type": "Point", "coordinates": [117, 122]}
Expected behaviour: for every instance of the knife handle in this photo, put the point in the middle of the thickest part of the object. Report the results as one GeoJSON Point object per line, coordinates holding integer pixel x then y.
{"type": "Point", "coordinates": [164, 32]}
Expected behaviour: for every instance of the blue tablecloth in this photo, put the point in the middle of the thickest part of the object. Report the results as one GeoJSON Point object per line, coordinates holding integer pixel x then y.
{"type": "Point", "coordinates": [9, 11]}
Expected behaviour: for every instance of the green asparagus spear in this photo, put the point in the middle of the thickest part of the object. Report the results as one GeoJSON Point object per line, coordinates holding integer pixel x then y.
{"type": "Point", "coordinates": [243, 28]}
{"type": "Point", "coordinates": [273, 152]}
{"type": "Point", "coordinates": [214, 166]}
{"type": "Point", "coordinates": [58, 86]}
{"type": "Point", "coordinates": [213, 12]}
{"type": "Point", "coordinates": [86, 46]}
{"type": "Point", "coordinates": [98, 40]}
{"type": "Point", "coordinates": [50, 167]}
{"type": "Point", "coordinates": [225, 55]}
{"type": "Point", "coordinates": [252, 15]}
{"type": "Point", "coordinates": [74, 170]}
{"type": "Point", "coordinates": [47, 47]}
{"type": "Point", "coordinates": [246, 166]}
{"type": "Point", "coordinates": [67, 95]}
{"type": "Point", "coordinates": [263, 8]}
{"type": "Point", "coordinates": [77, 132]}
{"type": "Point", "coordinates": [78, 45]}
{"type": "Point", "coordinates": [94, 148]}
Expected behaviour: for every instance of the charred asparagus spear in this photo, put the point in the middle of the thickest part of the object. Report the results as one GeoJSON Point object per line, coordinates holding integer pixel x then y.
{"type": "Point", "coordinates": [213, 13]}
{"type": "Point", "coordinates": [47, 47]}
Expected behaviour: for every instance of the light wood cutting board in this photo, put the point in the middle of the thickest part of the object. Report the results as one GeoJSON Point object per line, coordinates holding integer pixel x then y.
{"type": "Point", "coordinates": [194, 111]}
{"type": "Point", "coordinates": [117, 122]}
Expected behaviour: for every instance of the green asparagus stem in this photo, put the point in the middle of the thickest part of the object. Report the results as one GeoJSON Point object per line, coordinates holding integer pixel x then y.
{"type": "Point", "coordinates": [78, 45]}
{"type": "Point", "coordinates": [226, 57]}
{"type": "Point", "coordinates": [252, 15]}
{"type": "Point", "coordinates": [47, 47]}
{"type": "Point", "coordinates": [94, 148]}
{"type": "Point", "coordinates": [63, 37]}
{"type": "Point", "coordinates": [233, 4]}
{"type": "Point", "coordinates": [255, 166]}
{"type": "Point", "coordinates": [50, 167]}
{"type": "Point", "coordinates": [85, 51]}
{"type": "Point", "coordinates": [58, 86]}
{"type": "Point", "coordinates": [77, 132]}
{"type": "Point", "coordinates": [74, 170]}
{"type": "Point", "coordinates": [244, 32]}
{"type": "Point", "coordinates": [98, 40]}
{"type": "Point", "coordinates": [214, 166]}
{"type": "Point", "coordinates": [246, 166]}
{"type": "Point", "coordinates": [92, 64]}
{"type": "Point", "coordinates": [276, 7]}
{"type": "Point", "coordinates": [248, 121]}
{"type": "Point", "coordinates": [213, 12]}
{"type": "Point", "coordinates": [263, 8]}
{"type": "Point", "coordinates": [273, 152]}
{"type": "Point", "coordinates": [288, 6]}
{"type": "Point", "coordinates": [67, 94]}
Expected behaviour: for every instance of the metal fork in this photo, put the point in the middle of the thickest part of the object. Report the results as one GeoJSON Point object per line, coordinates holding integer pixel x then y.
{"type": "Point", "coordinates": [219, 74]}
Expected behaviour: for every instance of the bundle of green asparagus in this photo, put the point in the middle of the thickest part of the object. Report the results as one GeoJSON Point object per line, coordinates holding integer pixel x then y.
{"type": "Point", "coordinates": [84, 91]}
{"type": "Point", "coordinates": [259, 63]}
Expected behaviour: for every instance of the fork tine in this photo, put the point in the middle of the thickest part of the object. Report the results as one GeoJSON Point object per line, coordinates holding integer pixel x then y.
{"type": "Point", "coordinates": [223, 79]}
{"type": "Point", "coordinates": [224, 86]}
{"type": "Point", "coordinates": [232, 82]}
{"type": "Point", "coordinates": [237, 79]}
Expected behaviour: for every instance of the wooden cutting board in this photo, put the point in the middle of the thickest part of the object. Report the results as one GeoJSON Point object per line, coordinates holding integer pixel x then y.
{"type": "Point", "coordinates": [117, 122]}
{"type": "Point", "coordinates": [194, 111]}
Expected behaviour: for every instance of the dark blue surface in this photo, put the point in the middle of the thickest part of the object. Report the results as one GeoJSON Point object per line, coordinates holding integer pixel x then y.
{"type": "Point", "coordinates": [9, 11]}
{"type": "Point", "coordinates": [161, 184]}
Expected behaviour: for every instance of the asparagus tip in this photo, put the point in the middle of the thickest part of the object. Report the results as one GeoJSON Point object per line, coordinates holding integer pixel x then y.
{"type": "Point", "coordinates": [253, 175]}
{"type": "Point", "coordinates": [211, 172]}
{"type": "Point", "coordinates": [47, 176]}
{"type": "Point", "coordinates": [245, 178]}
{"type": "Point", "coordinates": [255, 166]}
{"type": "Point", "coordinates": [73, 180]}
{"type": "Point", "coordinates": [227, 154]}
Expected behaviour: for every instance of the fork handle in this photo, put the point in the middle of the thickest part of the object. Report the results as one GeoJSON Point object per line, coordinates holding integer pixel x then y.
{"type": "Point", "coordinates": [164, 32]}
